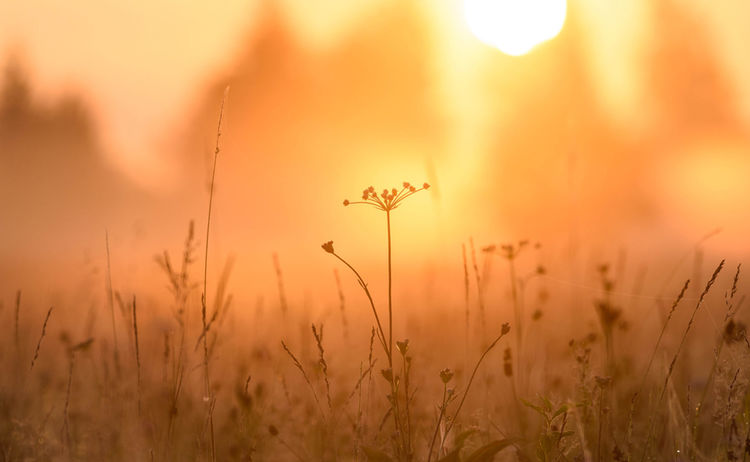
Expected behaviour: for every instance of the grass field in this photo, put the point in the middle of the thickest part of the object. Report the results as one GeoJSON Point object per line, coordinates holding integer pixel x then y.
{"type": "Point", "coordinates": [516, 371]}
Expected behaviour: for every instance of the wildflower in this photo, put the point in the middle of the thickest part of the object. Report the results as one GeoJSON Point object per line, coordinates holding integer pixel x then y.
{"type": "Point", "coordinates": [388, 199]}
{"type": "Point", "coordinates": [328, 246]}
{"type": "Point", "coordinates": [446, 375]}
{"type": "Point", "coordinates": [505, 328]}
{"type": "Point", "coordinates": [403, 347]}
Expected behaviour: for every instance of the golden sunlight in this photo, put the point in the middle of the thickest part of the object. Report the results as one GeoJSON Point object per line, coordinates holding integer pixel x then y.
{"type": "Point", "coordinates": [515, 26]}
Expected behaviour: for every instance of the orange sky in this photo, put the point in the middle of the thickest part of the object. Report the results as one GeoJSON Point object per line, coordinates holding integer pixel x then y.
{"type": "Point", "coordinates": [145, 67]}
{"type": "Point", "coordinates": [124, 54]}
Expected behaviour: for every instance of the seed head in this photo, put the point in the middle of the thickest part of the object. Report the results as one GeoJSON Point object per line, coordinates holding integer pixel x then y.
{"type": "Point", "coordinates": [446, 375]}
{"type": "Point", "coordinates": [328, 246]}
{"type": "Point", "coordinates": [505, 328]}
{"type": "Point", "coordinates": [403, 347]}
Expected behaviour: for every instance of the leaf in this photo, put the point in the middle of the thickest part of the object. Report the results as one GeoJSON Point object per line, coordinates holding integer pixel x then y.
{"type": "Point", "coordinates": [487, 452]}
{"type": "Point", "coordinates": [538, 409]}
{"type": "Point", "coordinates": [451, 456]}
{"type": "Point", "coordinates": [376, 455]}
{"type": "Point", "coordinates": [562, 410]}
{"type": "Point", "coordinates": [461, 437]}
{"type": "Point", "coordinates": [547, 404]}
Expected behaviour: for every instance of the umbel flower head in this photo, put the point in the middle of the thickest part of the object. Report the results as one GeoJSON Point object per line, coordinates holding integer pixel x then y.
{"type": "Point", "coordinates": [387, 200]}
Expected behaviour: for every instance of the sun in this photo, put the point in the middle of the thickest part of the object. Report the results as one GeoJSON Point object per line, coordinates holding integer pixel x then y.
{"type": "Point", "coordinates": [515, 26]}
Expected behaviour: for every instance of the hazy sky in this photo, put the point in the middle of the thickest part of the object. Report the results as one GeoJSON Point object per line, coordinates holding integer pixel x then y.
{"type": "Point", "coordinates": [140, 63]}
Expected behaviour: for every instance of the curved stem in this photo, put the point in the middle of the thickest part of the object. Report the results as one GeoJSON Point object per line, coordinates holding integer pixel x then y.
{"type": "Point", "coordinates": [468, 386]}
{"type": "Point", "coordinates": [381, 333]}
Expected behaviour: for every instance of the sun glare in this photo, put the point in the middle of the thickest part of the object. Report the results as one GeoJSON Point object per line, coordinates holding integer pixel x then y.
{"type": "Point", "coordinates": [515, 26]}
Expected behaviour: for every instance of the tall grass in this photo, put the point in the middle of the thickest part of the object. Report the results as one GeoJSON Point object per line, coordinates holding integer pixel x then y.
{"type": "Point", "coordinates": [359, 390]}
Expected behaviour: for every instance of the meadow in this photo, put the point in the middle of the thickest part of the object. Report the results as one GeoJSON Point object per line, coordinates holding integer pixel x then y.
{"type": "Point", "coordinates": [615, 368]}
{"type": "Point", "coordinates": [441, 231]}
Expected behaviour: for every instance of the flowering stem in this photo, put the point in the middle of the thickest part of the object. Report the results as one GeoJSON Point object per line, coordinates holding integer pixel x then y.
{"type": "Point", "coordinates": [204, 301]}
{"type": "Point", "coordinates": [386, 201]}
{"type": "Point", "coordinates": [390, 300]}
{"type": "Point", "coordinates": [394, 389]}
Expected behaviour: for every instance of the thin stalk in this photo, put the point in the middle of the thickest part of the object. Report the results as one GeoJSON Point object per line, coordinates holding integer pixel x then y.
{"type": "Point", "coordinates": [41, 337]}
{"type": "Point", "coordinates": [110, 302]}
{"type": "Point", "coordinates": [709, 381]}
{"type": "Point", "coordinates": [381, 333]}
{"type": "Point", "coordinates": [518, 316]}
{"type": "Point", "coordinates": [661, 334]}
{"type": "Point", "coordinates": [440, 419]}
{"type": "Point", "coordinates": [600, 425]}
{"type": "Point", "coordinates": [480, 300]}
{"type": "Point", "coordinates": [394, 389]}
{"type": "Point", "coordinates": [636, 397]}
{"type": "Point", "coordinates": [390, 300]}
{"type": "Point", "coordinates": [407, 370]}
{"type": "Point", "coordinates": [505, 330]}
{"type": "Point", "coordinates": [466, 305]}
{"type": "Point", "coordinates": [66, 419]}
{"type": "Point", "coordinates": [207, 382]}
{"type": "Point", "coordinates": [137, 354]}
{"type": "Point", "coordinates": [17, 315]}
{"type": "Point", "coordinates": [677, 354]}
